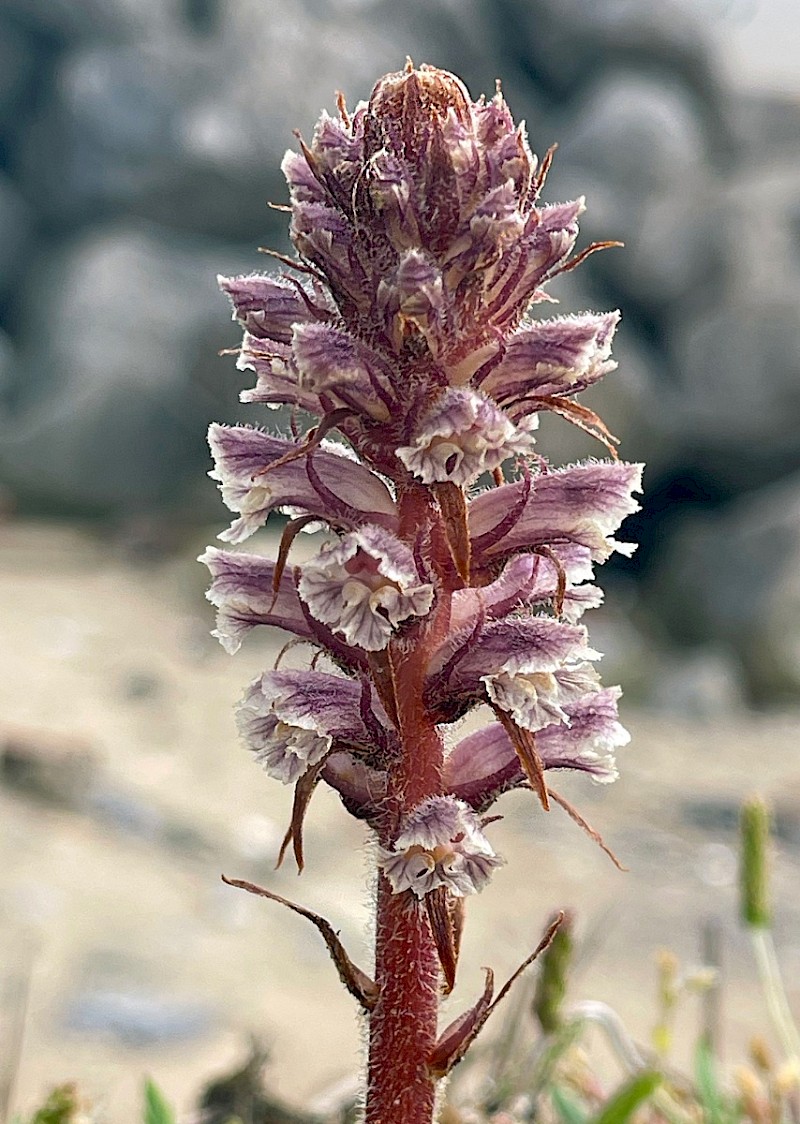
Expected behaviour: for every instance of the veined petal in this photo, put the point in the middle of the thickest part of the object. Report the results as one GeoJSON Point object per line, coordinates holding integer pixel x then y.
{"type": "Point", "coordinates": [364, 586]}
{"type": "Point", "coordinates": [441, 845]}
{"type": "Point", "coordinates": [362, 788]}
{"type": "Point", "coordinates": [528, 580]}
{"type": "Point", "coordinates": [241, 591]}
{"type": "Point", "coordinates": [268, 307]}
{"type": "Point", "coordinates": [324, 482]}
{"type": "Point", "coordinates": [303, 184]}
{"type": "Point", "coordinates": [464, 435]}
{"type": "Point", "coordinates": [413, 298]}
{"type": "Point", "coordinates": [582, 504]}
{"type": "Point", "coordinates": [549, 238]}
{"type": "Point", "coordinates": [332, 361]}
{"type": "Point", "coordinates": [485, 764]}
{"type": "Point", "coordinates": [324, 236]}
{"type": "Point", "coordinates": [517, 644]}
{"type": "Point", "coordinates": [291, 719]}
{"type": "Point", "coordinates": [537, 699]}
{"type": "Point", "coordinates": [589, 741]}
{"type": "Point", "coordinates": [277, 383]}
{"type": "Point", "coordinates": [496, 221]}
{"type": "Point", "coordinates": [561, 355]}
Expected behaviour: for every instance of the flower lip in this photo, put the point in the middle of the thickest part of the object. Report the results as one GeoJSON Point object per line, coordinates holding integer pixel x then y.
{"type": "Point", "coordinates": [464, 435]}
{"type": "Point", "coordinates": [441, 845]}
{"type": "Point", "coordinates": [364, 586]}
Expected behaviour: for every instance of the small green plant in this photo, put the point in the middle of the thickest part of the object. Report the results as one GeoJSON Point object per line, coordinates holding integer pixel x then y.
{"type": "Point", "coordinates": [156, 1109]}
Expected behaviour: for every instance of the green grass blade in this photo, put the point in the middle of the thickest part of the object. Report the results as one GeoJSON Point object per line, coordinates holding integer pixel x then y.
{"type": "Point", "coordinates": [156, 1109]}
{"type": "Point", "coordinates": [712, 1101]}
{"type": "Point", "coordinates": [624, 1103]}
{"type": "Point", "coordinates": [566, 1107]}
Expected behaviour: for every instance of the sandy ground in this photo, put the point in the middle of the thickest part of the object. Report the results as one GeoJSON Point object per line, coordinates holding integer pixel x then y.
{"type": "Point", "coordinates": [139, 961]}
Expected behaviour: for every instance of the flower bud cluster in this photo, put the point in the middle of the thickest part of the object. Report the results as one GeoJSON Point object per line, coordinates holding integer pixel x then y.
{"type": "Point", "coordinates": [407, 336]}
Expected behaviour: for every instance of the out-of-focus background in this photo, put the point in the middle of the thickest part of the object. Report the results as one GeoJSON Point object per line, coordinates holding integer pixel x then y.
{"type": "Point", "coordinates": [139, 141]}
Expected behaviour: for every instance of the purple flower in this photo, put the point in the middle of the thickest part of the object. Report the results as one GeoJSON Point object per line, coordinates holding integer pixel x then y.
{"type": "Point", "coordinates": [364, 587]}
{"type": "Point", "coordinates": [441, 845]}
{"type": "Point", "coordinates": [458, 562]}
{"type": "Point", "coordinates": [463, 436]}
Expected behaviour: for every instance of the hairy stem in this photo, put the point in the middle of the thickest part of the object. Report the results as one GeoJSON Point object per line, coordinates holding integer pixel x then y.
{"type": "Point", "coordinates": [400, 1087]}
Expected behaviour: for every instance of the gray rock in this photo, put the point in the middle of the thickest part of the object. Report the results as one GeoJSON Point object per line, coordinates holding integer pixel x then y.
{"type": "Point", "coordinates": [680, 251]}
{"type": "Point", "coordinates": [735, 399]}
{"type": "Point", "coordinates": [639, 136]}
{"type": "Point", "coordinates": [76, 20]}
{"type": "Point", "coordinates": [137, 1018]}
{"type": "Point", "coordinates": [18, 59]}
{"type": "Point", "coordinates": [192, 138]}
{"type": "Point", "coordinates": [767, 126]}
{"type": "Point", "coordinates": [118, 373]}
{"type": "Point", "coordinates": [566, 44]}
{"type": "Point", "coordinates": [735, 577]}
{"type": "Point", "coordinates": [16, 225]}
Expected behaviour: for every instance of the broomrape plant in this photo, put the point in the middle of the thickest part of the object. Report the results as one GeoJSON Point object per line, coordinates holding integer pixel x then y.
{"type": "Point", "coordinates": [459, 563]}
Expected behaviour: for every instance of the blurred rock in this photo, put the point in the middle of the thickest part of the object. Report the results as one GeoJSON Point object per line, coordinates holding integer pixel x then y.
{"type": "Point", "coordinates": [630, 139]}
{"type": "Point", "coordinates": [18, 58]}
{"type": "Point", "coordinates": [735, 577]}
{"type": "Point", "coordinates": [113, 389]}
{"type": "Point", "coordinates": [71, 20]}
{"type": "Point", "coordinates": [192, 138]}
{"type": "Point", "coordinates": [637, 132]}
{"type": "Point", "coordinates": [565, 44]}
{"type": "Point", "coordinates": [681, 249]}
{"type": "Point", "coordinates": [767, 126]}
{"type": "Point", "coordinates": [16, 226]}
{"type": "Point", "coordinates": [53, 768]}
{"type": "Point", "coordinates": [735, 399]}
{"type": "Point", "coordinates": [6, 366]}
{"type": "Point", "coordinates": [138, 1018]}
{"type": "Point", "coordinates": [703, 685]}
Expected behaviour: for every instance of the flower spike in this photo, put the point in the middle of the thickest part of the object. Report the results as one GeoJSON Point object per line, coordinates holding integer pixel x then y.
{"type": "Point", "coordinates": [457, 562]}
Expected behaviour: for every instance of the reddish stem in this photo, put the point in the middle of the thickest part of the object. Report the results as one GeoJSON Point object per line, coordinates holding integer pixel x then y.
{"type": "Point", "coordinates": [403, 1024]}
{"type": "Point", "coordinates": [402, 1030]}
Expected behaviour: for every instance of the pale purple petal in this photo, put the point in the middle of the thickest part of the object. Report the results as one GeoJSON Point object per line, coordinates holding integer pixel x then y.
{"type": "Point", "coordinates": [441, 845]}
{"type": "Point", "coordinates": [528, 580]}
{"type": "Point", "coordinates": [334, 362]}
{"type": "Point", "coordinates": [463, 436]}
{"type": "Point", "coordinates": [277, 383]}
{"type": "Point", "coordinates": [413, 297]}
{"type": "Point", "coordinates": [362, 788]}
{"type": "Point", "coordinates": [525, 644]}
{"type": "Point", "coordinates": [303, 184]}
{"type": "Point", "coordinates": [241, 591]}
{"type": "Point", "coordinates": [485, 764]}
{"type": "Point", "coordinates": [268, 307]}
{"type": "Point", "coordinates": [537, 699]}
{"type": "Point", "coordinates": [364, 586]}
{"type": "Point", "coordinates": [582, 504]}
{"type": "Point", "coordinates": [562, 355]}
{"type": "Point", "coordinates": [291, 719]}
{"type": "Point", "coordinates": [324, 482]}
{"type": "Point", "coordinates": [549, 238]}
